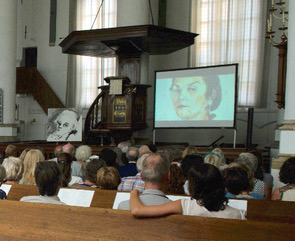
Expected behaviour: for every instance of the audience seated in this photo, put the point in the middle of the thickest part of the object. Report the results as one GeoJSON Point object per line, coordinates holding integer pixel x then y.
{"type": "Point", "coordinates": [130, 168]}
{"type": "Point", "coordinates": [189, 151]}
{"type": "Point", "coordinates": [213, 159]}
{"type": "Point", "coordinates": [251, 161]}
{"type": "Point", "coordinates": [23, 154]}
{"type": "Point", "coordinates": [83, 154]}
{"type": "Point", "coordinates": [287, 176]}
{"type": "Point", "coordinates": [155, 174]}
{"type": "Point", "coordinates": [91, 174]}
{"type": "Point", "coordinates": [261, 175]}
{"type": "Point", "coordinates": [187, 163]}
{"type": "Point", "coordinates": [176, 180]}
{"type": "Point", "coordinates": [108, 178]}
{"type": "Point", "coordinates": [77, 168]}
{"type": "Point", "coordinates": [33, 157]}
{"type": "Point", "coordinates": [110, 157]}
{"type": "Point", "coordinates": [119, 153]}
{"type": "Point", "coordinates": [222, 157]}
{"type": "Point", "coordinates": [11, 150]}
{"type": "Point", "coordinates": [14, 170]}
{"type": "Point", "coordinates": [57, 152]}
{"type": "Point", "coordinates": [237, 182]}
{"type": "Point", "coordinates": [134, 182]}
{"type": "Point", "coordinates": [124, 146]}
{"type": "Point", "coordinates": [48, 180]}
{"type": "Point", "coordinates": [207, 190]}
{"type": "Point", "coordinates": [144, 150]}
{"type": "Point", "coordinates": [64, 162]}
{"type": "Point", "coordinates": [2, 180]}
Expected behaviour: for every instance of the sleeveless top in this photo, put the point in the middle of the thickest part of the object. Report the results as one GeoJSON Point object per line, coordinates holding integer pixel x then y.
{"type": "Point", "coordinates": [284, 190]}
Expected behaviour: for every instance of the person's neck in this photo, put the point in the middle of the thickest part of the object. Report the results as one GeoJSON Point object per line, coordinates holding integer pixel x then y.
{"type": "Point", "coordinates": [154, 186]}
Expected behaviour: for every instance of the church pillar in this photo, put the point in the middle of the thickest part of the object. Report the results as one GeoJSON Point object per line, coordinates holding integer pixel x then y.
{"type": "Point", "coordinates": [141, 15]}
{"type": "Point", "coordinates": [8, 130]}
{"type": "Point", "coordinates": [287, 130]}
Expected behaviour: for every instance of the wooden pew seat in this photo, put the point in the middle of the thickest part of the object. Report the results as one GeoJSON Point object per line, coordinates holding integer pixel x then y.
{"type": "Point", "coordinates": [34, 221]}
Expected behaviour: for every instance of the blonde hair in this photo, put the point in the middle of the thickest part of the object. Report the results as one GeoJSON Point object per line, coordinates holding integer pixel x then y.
{"type": "Point", "coordinates": [11, 150]}
{"type": "Point", "coordinates": [108, 178]}
{"type": "Point", "coordinates": [213, 159]}
{"type": "Point", "coordinates": [13, 167]}
{"type": "Point", "coordinates": [24, 153]}
{"type": "Point", "coordinates": [189, 151]}
{"type": "Point", "coordinates": [220, 153]}
{"type": "Point", "coordinates": [32, 158]}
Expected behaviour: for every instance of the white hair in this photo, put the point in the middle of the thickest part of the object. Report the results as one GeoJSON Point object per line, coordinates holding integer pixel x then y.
{"type": "Point", "coordinates": [140, 161]}
{"type": "Point", "coordinates": [83, 153]}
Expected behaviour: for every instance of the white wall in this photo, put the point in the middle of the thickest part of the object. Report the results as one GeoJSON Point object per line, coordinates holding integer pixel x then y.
{"type": "Point", "coordinates": [51, 62]}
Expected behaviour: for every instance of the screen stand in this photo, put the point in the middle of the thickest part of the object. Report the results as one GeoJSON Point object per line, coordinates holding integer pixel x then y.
{"type": "Point", "coordinates": [235, 138]}
{"type": "Point", "coordinates": [154, 136]}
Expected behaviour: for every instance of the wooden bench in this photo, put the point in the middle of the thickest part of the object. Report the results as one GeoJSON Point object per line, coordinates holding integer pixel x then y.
{"type": "Point", "coordinates": [259, 210]}
{"type": "Point", "coordinates": [275, 211]}
{"type": "Point", "coordinates": [34, 221]}
{"type": "Point", "coordinates": [101, 198]}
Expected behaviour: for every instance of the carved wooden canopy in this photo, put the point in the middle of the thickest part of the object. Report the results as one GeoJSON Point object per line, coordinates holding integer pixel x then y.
{"type": "Point", "coordinates": [128, 41]}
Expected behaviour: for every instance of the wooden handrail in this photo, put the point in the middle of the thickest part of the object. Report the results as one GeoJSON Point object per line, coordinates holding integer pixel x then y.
{"type": "Point", "coordinates": [30, 81]}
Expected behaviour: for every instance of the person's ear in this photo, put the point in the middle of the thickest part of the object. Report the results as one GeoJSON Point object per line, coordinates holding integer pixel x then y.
{"type": "Point", "coordinates": [211, 98]}
{"type": "Point", "coordinates": [169, 176]}
{"type": "Point", "coordinates": [141, 175]}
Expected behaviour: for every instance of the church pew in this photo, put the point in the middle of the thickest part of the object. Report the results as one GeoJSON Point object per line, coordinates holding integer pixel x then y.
{"type": "Point", "coordinates": [259, 210]}
{"type": "Point", "coordinates": [275, 211]}
{"type": "Point", "coordinates": [101, 198]}
{"type": "Point", "coordinates": [34, 221]}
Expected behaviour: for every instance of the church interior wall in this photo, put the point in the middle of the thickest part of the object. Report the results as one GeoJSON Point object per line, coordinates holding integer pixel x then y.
{"type": "Point", "coordinates": [52, 64]}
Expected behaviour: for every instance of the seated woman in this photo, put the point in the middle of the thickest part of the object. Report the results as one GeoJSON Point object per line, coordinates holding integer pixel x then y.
{"type": "Point", "coordinates": [33, 157]}
{"type": "Point", "coordinates": [287, 176]}
{"type": "Point", "coordinates": [64, 161]}
{"type": "Point", "coordinates": [207, 190]}
{"type": "Point", "coordinates": [13, 167]}
{"type": "Point", "coordinates": [108, 178]}
{"type": "Point", "coordinates": [2, 179]}
{"type": "Point", "coordinates": [176, 181]}
{"type": "Point", "coordinates": [237, 182]}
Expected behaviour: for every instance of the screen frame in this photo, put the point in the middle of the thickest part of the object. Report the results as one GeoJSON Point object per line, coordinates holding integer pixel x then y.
{"type": "Point", "coordinates": [236, 65]}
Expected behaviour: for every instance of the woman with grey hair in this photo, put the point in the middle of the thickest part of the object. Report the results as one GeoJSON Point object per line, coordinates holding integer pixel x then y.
{"type": "Point", "coordinates": [251, 161]}
{"type": "Point", "coordinates": [14, 170]}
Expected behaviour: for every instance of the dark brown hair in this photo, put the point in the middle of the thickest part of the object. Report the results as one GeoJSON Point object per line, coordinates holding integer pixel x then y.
{"type": "Point", "coordinates": [287, 172]}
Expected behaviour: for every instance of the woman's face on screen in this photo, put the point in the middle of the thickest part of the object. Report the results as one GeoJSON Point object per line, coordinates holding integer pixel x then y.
{"type": "Point", "coordinates": [188, 96]}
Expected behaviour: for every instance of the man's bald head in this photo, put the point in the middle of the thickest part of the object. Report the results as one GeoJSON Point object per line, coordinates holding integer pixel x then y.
{"type": "Point", "coordinates": [69, 148]}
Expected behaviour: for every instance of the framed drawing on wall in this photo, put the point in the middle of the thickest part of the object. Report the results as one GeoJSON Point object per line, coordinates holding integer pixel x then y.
{"type": "Point", "coordinates": [64, 125]}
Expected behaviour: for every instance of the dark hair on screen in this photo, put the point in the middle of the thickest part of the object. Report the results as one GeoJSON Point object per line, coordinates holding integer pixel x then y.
{"type": "Point", "coordinates": [287, 171]}
{"type": "Point", "coordinates": [236, 180]}
{"type": "Point", "coordinates": [190, 161]}
{"type": "Point", "coordinates": [47, 177]}
{"type": "Point", "coordinates": [206, 185]}
{"type": "Point", "coordinates": [91, 169]}
{"type": "Point", "coordinates": [213, 83]}
{"type": "Point", "coordinates": [64, 162]}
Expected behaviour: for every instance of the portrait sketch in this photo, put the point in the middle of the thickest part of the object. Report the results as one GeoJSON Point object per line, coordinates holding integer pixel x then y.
{"type": "Point", "coordinates": [64, 125]}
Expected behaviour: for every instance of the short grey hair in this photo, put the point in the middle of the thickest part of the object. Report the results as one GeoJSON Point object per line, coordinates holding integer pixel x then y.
{"type": "Point", "coordinates": [140, 162]}
{"type": "Point", "coordinates": [132, 153]}
{"type": "Point", "coordinates": [124, 146]}
{"type": "Point", "coordinates": [155, 168]}
{"type": "Point", "coordinates": [249, 160]}
{"type": "Point", "coordinates": [13, 167]}
{"type": "Point", "coordinates": [83, 152]}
